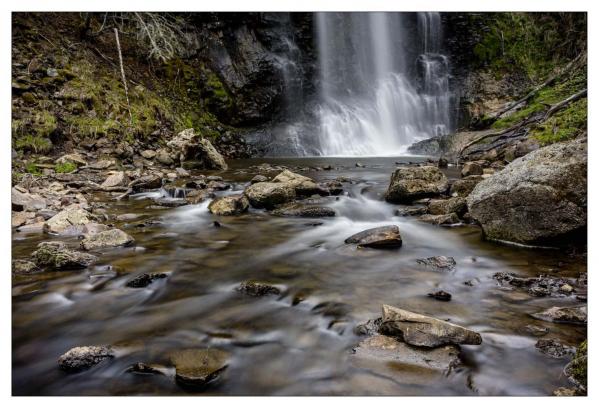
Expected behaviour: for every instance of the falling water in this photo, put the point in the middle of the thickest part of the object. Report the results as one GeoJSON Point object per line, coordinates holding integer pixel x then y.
{"type": "Point", "coordinates": [371, 103]}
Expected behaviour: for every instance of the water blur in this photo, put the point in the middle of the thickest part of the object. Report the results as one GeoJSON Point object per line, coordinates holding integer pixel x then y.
{"type": "Point", "coordinates": [300, 342]}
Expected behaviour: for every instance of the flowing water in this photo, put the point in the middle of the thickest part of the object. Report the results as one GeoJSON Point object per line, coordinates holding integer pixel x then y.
{"type": "Point", "coordinates": [372, 103]}
{"type": "Point", "coordinates": [280, 346]}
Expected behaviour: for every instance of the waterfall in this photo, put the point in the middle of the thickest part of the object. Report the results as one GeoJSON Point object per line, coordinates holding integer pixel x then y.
{"type": "Point", "coordinates": [372, 100]}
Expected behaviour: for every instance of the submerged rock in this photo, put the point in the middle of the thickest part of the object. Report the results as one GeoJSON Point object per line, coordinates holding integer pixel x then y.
{"type": "Point", "coordinates": [553, 348]}
{"type": "Point", "coordinates": [268, 195]}
{"type": "Point", "coordinates": [380, 237]}
{"type": "Point", "coordinates": [229, 205]}
{"type": "Point", "coordinates": [199, 367]}
{"type": "Point", "coordinates": [381, 347]}
{"type": "Point", "coordinates": [537, 286]}
{"type": "Point", "coordinates": [443, 219]}
{"type": "Point", "coordinates": [22, 267]}
{"type": "Point", "coordinates": [106, 239]}
{"type": "Point", "coordinates": [411, 183]}
{"type": "Point", "coordinates": [55, 254]}
{"type": "Point", "coordinates": [145, 279]}
{"type": "Point", "coordinates": [257, 289]}
{"type": "Point", "coordinates": [441, 295]}
{"type": "Point", "coordinates": [143, 368]}
{"type": "Point", "coordinates": [72, 216]}
{"type": "Point", "coordinates": [84, 357]}
{"type": "Point", "coordinates": [537, 199]}
{"type": "Point", "coordinates": [300, 210]}
{"type": "Point", "coordinates": [573, 315]}
{"type": "Point", "coordinates": [438, 262]}
{"type": "Point", "coordinates": [425, 331]}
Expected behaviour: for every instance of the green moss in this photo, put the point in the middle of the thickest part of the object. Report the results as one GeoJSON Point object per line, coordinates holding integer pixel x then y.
{"type": "Point", "coordinates": [66, 167]}
{"type": "Point", "coordinates": [578, 366]}
{"type": "Point", "coordinates": [32, 168]}
{"type": "Point", "coordinates": [564, 125]}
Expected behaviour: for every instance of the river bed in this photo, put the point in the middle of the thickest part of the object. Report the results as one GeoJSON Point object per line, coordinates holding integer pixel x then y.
{"type": "Point", "coordinates": [298, 343]}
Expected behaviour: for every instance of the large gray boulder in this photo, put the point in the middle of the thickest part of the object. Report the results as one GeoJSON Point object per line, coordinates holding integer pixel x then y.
{"type": "Point", "coordinates": [268, 195]}
{"type": "Point", "coordinates": [304, 186]}
{"type": "Point", "coordinates": [107, 239]}
{"type": "Point", "coordinates": [424, 331]}
{"type": "Point", "coordinates": [188, 145]}
{"type": "Point", "coordinates": [24, 201]}
{"type": "Point", "coordinates": [70, 220]}
{"type": "Point", "coordinates": [411, 183]}
{"type": "Point", "coordinates": [536, 199]}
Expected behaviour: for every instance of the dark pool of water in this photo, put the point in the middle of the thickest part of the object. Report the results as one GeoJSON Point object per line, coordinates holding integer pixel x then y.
{"type": "Point", "coordinates": [279, 348]}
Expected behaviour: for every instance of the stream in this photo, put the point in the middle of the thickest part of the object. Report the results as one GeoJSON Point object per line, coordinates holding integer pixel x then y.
{"type": "Point", "coordinates": [298, 343]}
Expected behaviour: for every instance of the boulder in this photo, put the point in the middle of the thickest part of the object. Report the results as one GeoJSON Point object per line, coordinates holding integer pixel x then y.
{"type": "Point", "coordinates": [164, 157]}
{"type": "Point", "coordinates": [148, 154]}
{"type": "Point", "coordinates": [116, 179]}
{"type": "Point", "coordinates": [229, 205]}
{"type": "Point", "coordinates": [106, 239]}
{"type": "Point", "coordinates": [19, 218]}
{"type": "Point", "coordinates": [82, 358]}
{"type": "Point", "coordinates": [554, 348]}
{"type": "Point", "coordinates": [268, 195]}
{"type": "Point", "coordinates": [64, 221]}
{"type": "Point", "coordinates": [199, 367]}
{"type": "Point", "coordinates": [24, 201]}
{"type": "Point", "coordinates": [411, 183]}
{"type": "Point", "coordinates": [300, 210]}
{"type": "Point", "coordinates": [471, 169]}
{"type": "Point", "coordinates": [424, 331]}
{"type": "Point", "coordinates": [55, 254]}
{"type": "Point", "coordinates": [258, 178]}
{"type": "Point", "coordinates": [380, 237]}
{"type": "Point", "coordinates": [188, 145]}
{"type": "Point", "coordinates": [463, 187]}
{"type": "Point", "coordinates": [389, 349]}
{"type": "Point", "coordinates": [451, 205]}
{"type": "Point", "coordinates": [304, 186]}
{"type": "Point", "coordinates": [573, 315]}
{"type": "Point", "coordinates": [540, 198]}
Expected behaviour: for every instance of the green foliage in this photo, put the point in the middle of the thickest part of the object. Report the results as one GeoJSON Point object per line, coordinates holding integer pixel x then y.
{"type": "Point", "coordinates": [66, 167]}
{"type": "Point", "coordinates": [565, 124]}
{"type": "Point", "coordinates": [546, 97]}
{"type": "Point", "coordinates": [35, 144]}
{"type": "Point", "coordinates": [32, 168]}
{"type": "Point", "coordinates": [531, 42]}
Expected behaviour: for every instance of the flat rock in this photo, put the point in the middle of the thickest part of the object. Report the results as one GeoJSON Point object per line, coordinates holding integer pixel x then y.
{"type": "Point", "coordinates": [229, 205]}
{"type": "Point", "coordinates": [24, 201]}
{"type": "Point", "coordinates": [300, 210]}
{"type": "Point", "coordinates": [425, 331]}
{"type": "Point", "coordinates": [72, 216]}
{"type": "Point", "coordinates": [55, 254]}
{"type": "Point", "coordinates": [106, 239]}
{"type": "Point", "coordinates": [443, 219]}
{"type": "Point", "coordinates": [389, 349]}
{"type": "Point", "coordinates": [84, 357]}
{"type": "Point", "coordinates": [411, 183]}
{"type": "Point", "coordinates": [116, 179]}
{"type": "Point", "coordinates": [199, 367]}
{"type": "Point", "coordinates": [573, 315]}
{"type": "Point", "coordinates": [438, 262]}
{"type": "Point", "coordinates": [380, 237]}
